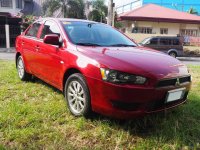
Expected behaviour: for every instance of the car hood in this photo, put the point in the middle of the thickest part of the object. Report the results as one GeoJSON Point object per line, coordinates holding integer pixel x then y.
{"type": "Point", "coordinates": [136, 60]}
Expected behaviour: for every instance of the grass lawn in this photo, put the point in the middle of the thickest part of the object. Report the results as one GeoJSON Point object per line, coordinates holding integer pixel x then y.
{"type": "Point", "coordinates": [33, 115]}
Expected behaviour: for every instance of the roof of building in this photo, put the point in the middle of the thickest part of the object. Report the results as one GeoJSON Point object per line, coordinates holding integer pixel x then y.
{"type": "Point", "coordinates": [156, 13]}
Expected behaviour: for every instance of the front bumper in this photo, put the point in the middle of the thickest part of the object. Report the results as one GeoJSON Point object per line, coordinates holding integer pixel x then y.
{"type": "Point", "coordinates": [130, 101]}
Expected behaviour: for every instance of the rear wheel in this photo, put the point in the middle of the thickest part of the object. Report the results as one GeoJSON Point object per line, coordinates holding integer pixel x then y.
{"type": "Point", "coordinates": [23, 75]}
{"type": "Point", "coordinates": [173, 54]}
{"type": "Point", "coordinates": [77, 95]}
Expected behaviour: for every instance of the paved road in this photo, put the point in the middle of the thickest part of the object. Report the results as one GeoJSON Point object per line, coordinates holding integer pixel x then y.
{"type": "Point", "coordinates": [186, 60]}
{"type": "Point", "coordinates": [190, 60]}
{"type": "Point", "coordinates": [7, 56]}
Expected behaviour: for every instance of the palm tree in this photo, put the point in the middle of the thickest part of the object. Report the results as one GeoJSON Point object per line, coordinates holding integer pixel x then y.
{"type": "Point", "coordinates": [193, 11]}
{"type": "Point", "coordinates": [64, 8]}
{"type": "Point", "coordinates": [99, 11]}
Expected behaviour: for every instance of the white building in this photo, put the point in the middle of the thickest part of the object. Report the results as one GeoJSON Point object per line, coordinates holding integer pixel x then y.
{"type": "Point", "coordinates": [11, 6]}
{"type": "Point", "coordinates": [9, 23]}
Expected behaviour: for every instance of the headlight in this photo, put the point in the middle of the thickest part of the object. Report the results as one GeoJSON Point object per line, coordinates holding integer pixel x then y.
{"type": "Point", "coordinates": [120, 77]}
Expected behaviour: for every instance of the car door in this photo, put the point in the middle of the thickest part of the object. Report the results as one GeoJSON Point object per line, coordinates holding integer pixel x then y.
{"type": "Point", "coordinates": [29, 43]}
{"type": "Point", "coordinates": [165, 44]}
{"type": "Point", "coordinates": [49, 55]}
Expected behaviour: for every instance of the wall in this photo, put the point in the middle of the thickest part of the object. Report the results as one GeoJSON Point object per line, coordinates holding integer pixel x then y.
{"type": "Point", "coordinates": [173, 28]}
{"type": "Point", "coordinates": [139, 37]}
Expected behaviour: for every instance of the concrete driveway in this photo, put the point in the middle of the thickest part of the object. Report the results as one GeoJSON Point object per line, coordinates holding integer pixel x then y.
{"type": "Point", "coordinates": [7, 56]}
{"type": "Point", "coordinates": [190, 60]}
{"type": "Point", "coordinates": [185, 60]}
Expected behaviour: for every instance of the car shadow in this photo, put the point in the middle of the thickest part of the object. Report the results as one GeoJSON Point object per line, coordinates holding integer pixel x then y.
{"type": "Point", "coordinates": [171, 125]}
{"type": "Point", "coordinates": [39, 81]}
{"type": "Point", "coordinates": [179, 125]}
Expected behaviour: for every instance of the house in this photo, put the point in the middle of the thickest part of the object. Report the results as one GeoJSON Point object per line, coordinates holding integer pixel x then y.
{"type": "Point", "coordinates": [10, 23]}
{"type": "Point", "coordinates": [154, 20]}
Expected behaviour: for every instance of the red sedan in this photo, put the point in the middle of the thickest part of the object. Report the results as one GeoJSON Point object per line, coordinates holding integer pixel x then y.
{"type": "Point", "coordinates": [100, 69]}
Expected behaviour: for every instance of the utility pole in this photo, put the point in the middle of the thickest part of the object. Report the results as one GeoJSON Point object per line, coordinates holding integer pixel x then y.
{"type": "Point", "coordinates": [110, 13]}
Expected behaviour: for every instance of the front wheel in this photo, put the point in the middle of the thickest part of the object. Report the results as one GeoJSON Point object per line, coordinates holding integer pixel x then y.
{"type": "Point", "coordinates": [23, 75]}
{"type": "Point", "coordinates": [77, 95]}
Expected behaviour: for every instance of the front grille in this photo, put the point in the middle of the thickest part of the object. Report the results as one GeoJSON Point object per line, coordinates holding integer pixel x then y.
{"type": "Point", "coordinates": [125, 106]}
{"type": "Point", "coordinates": [173, 81]}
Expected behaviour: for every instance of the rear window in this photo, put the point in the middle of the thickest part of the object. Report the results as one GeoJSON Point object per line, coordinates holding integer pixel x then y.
{"type": "Point", "coordinates": [175, 42]}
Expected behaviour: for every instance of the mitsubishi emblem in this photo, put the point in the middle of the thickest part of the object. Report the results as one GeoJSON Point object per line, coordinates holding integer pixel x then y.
{"type": "Point", "coordinates": [177, 82]}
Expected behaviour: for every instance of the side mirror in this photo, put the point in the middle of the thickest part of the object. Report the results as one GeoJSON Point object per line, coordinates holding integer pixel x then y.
{"type": "Point", "coordinates": [148, 43]}
{"type": "Point", "coordinates": [52, 39]}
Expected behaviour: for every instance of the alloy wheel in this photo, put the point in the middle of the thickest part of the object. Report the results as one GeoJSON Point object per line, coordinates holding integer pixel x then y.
{"type": "Point", "coordinates": [20, 68]}
{"type": "Point", "coordinates": [76, 97]}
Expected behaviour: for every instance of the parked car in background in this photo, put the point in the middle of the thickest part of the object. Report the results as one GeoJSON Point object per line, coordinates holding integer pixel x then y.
{"type": "Point", "coordinates": [99, 69]}
{"type": "Point", "coordinates": [170, 45]}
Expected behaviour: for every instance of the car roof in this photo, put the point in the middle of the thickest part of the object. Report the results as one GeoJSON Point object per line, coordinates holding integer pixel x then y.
{"type": "Point", "coordinates": [67, 19]}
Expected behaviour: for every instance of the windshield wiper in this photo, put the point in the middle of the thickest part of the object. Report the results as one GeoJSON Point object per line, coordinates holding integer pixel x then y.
{"type": "Point", "coordinates": [88, 44]}
{"type": "Point", "coordinates": [122, 45]}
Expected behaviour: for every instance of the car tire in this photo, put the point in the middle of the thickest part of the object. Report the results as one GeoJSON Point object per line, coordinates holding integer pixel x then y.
{"type": "Point", "coordinates": [21, 69]}
{"type": "Point", "coordinates": [77, 95]}
{"type": "Point", "coordinates": [173, 54]}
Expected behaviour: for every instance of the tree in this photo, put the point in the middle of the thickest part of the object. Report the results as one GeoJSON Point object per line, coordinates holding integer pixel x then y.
{"type": "Point", "coordinates": [99, 11]}
{"type": "Point", "coordinates": [64, 8]}
{"type": "Point", "coordinates": [193, 11]}
{"type": "Point", "coordinates": [117, 24]}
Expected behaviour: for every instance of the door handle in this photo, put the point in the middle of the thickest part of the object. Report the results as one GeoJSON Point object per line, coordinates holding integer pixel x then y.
{"type": "Point", "coordinates": [37, 48]}
{"type": "Point", "coordinates": [22, 43]}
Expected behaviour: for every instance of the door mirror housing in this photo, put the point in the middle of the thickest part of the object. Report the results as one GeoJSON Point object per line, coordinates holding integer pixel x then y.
{"type": "Point", "coordinates": [52, 39]}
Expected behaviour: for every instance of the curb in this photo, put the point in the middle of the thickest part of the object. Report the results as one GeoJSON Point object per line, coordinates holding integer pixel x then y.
{"type": "Point", "coordinates": [7, 50]}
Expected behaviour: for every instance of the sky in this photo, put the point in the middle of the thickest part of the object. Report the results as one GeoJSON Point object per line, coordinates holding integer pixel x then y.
{"type": "Point", "coordinates": [174, 4]}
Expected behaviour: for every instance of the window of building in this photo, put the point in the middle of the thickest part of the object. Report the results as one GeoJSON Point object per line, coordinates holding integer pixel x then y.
{"type": "Point", "coordinates": [33, 30]}
{"type": "Point", "coordinates": [189, 32]}
{"type": "Point", "coordinates": [50, 28]}
{"type": "Point", "coordinates": [6, 3]}
{"type": "Point", "coordinates": [163, 31]}
{"type": "Point", "coordinates": [145, 30]}
{"type": "Point", "coordinates": [19, 4]}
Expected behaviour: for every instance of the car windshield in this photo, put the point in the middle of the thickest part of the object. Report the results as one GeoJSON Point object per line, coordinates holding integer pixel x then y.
{"type": "Point", "coordinates": [145, 41]}
{"type": "Point", "coordinates": [95, 34]}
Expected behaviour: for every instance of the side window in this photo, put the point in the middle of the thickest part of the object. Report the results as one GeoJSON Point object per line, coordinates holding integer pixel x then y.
{"type": "Point", "coordinates": [164, 41]}
{"type": "Point", "coordinates": [33, 30]}
{"type": "Point", "coordinates": [176, 42]}
{"type": "Point", "coordinates": [154, 41]}
{"type": "Point", "coordinates": [50, 28]}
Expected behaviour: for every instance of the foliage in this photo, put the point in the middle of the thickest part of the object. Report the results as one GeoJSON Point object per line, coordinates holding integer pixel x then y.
{"type": "Point", "coordinates": [26, 21]}
{"type": "Point", "coordinates": [33, 115]}
{"type": "Point", "coordinates": [99, 12]}
{"type": "Point", "coordinates": [76, 9]}
{"type": "Point", "coordinates": [193, 11]}
{"type": "Point", "coordinates": [117, 23]}
{"type": "Point", "coordinates": [65, 8]}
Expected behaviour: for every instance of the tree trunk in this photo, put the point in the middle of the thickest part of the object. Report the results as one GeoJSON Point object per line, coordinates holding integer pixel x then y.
{"type": "Point", "coordinates": [110, 12]}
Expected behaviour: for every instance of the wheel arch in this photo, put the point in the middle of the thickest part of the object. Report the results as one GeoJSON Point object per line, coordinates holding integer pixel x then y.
{"type": "Point", "coordinates": [173, 50]}
{"type": "Point", "coordinates": [67, 73]}
{"type": "Point", "coordinates": [16, 57]}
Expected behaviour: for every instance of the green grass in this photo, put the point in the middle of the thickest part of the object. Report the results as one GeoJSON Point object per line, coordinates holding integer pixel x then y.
{"type": "Point", "coordinates": [33, 115]}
